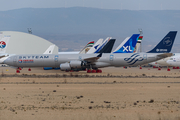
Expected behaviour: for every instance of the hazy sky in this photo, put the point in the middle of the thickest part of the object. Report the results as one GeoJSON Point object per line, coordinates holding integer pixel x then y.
{"type": "Point", "coordinates": [105, 4]}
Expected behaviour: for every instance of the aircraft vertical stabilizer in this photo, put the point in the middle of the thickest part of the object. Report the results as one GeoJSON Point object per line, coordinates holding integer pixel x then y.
{"type": "Point", "coordinates": [87, 48]}
{"type": "Point", "coordinates": [95, 46]}
{"type": "Point", "coordinates": [50, 49]}
{"type": "Point", "coordinates": [128, 45]}
{"type": "Point", "coordinates": [4, 40]}
{"type": "Point", "coordinates": [103, 44]}
{"type": "Point", "coordinates": [138, 44]}
{"type": "Point", "coordinates": [108, 47]}
{"type": "Point", "coordinates": [165, 44]}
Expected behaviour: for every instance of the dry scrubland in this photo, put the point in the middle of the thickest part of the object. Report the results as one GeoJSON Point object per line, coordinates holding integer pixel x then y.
{"type": "Point", "coordinates": [115, 94]}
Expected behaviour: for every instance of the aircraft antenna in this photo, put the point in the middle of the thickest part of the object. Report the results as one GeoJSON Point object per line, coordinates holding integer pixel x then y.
{"type": "Point", "coordinates": [141, 32]}
{"type": "Point", "coordinates": [29, 30]}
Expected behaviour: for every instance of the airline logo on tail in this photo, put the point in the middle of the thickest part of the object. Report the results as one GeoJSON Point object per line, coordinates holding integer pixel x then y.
{"type": "Point", "coordinates": [86, 50]}
{"type": "Point", "coordinates": [103, 44]}
{"type": "Point", "coordinates": [165, 44]}
{"type": "Point", "coordinates": [128, 45]}
{"type": "Point", "coordinates": [96, 46]}
{"type": "Point", "coordinates": [4, 40]}
{"type": "Point", "coordinates": [2, 44]}
{"type": "Point", "coordinates": [87, 47]}
{"type": "Point", "coordinates": [127, 49]}
{"type": "Point", "coordinates": [167, 41]}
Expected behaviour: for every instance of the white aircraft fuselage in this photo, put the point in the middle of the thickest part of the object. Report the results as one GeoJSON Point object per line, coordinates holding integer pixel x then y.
{"type": "Point", "coordinates": [67, 61]}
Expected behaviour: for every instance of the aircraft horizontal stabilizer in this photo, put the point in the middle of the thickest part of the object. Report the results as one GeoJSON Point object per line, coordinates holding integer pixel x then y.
{"type": "Point", "coordinates": [164, 55]}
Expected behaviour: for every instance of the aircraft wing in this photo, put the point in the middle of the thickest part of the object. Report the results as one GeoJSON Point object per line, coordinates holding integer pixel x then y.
{"type": "Point", "coordinates": [93, 59]}
{"type": "Point", "coordinates": [3, 55]}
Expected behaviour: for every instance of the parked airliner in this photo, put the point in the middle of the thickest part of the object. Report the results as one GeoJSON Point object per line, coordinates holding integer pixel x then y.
{"type": "Point", "coordinates": [94, 61]}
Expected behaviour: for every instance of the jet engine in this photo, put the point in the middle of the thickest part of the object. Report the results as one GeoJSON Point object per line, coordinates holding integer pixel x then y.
{"type": "Point", "coordinates": [76, 64]}
{"type": "Point", "coordinates": [65, 66]}
{"type": "Point", "coordinates": [72, 65]}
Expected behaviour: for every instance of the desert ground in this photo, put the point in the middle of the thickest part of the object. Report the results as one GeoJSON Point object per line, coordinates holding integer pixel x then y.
{"type": "Point", "coordinates": [115, 94]}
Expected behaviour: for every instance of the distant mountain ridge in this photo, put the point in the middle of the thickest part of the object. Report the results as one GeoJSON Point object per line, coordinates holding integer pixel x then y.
{"type": "Point", "coordinates": [58, 24]}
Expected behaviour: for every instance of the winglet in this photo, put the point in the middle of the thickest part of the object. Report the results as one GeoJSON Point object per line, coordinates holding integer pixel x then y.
{"type": "Point", "coordinates": [164, 55]}
{"type": "Point", "coordinates": [165, 44]}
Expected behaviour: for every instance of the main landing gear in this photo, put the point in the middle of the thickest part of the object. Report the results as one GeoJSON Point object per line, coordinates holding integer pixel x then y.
{"type": "Point", "coordinates": [19, 69]}
{"type": "Point", "coordinates": [94, 71]}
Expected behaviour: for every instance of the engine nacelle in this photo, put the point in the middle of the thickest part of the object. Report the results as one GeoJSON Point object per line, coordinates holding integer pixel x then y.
{"type": "Point", "coordinates": [72, 65]}
{"type": "Point", "coordinates": [76, 64]}
{"type": "Point", "coordinates": [65, 66]}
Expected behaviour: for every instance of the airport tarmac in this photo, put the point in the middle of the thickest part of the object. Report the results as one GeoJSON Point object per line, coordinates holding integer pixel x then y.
{"type": "Point", "coordinates": [115, 94]}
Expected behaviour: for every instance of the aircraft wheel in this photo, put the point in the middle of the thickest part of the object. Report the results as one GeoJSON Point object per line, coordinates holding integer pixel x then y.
{"type": "Point", "coordinates": [89, 71]}
{"type": "Point", "coordinates": [174, 67]}
{"type": "Point", "coordinates": [168, 69]}
{"type": "Point", "coordinates": [71, 71]}
{"type": "Point", "coordinates": [17, 71]}
{"type": "Point", "coordinates": [99, 71]}
{"type": "Point", "coordinates": [125, 67]}
{"type": "Point", "coordinates": [29, 69]}
{"type": "Point", "coordinates": [93, 71]}
{"type": "Point", "coordinates": [177, 67]}
{"type": "Point", "coordinates": [19, 68]}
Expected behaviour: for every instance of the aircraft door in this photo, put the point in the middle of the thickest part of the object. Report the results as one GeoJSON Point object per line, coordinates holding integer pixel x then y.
{"type": "Point", "coordinates": [56, 60]}
{"type": "Point", "coordinates": [14, 60]}
{"type": "Point", "coordinates": [145, 56]}
{"type": "Point", "coordinates": [111, 57]}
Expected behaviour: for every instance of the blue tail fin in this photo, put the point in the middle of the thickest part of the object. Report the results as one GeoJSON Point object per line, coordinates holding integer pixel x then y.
{"type": "Point", "coordinates": [129, 45]}
{"type": "Point", "coordinates": [165, 44]}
